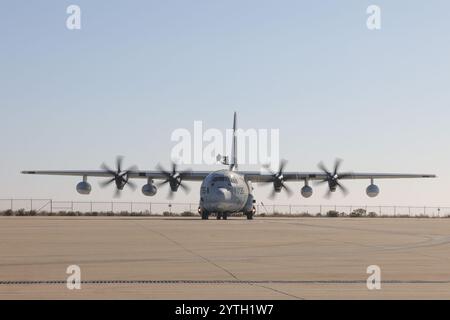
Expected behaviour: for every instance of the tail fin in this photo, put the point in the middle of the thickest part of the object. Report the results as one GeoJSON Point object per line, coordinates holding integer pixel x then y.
{"type": "Point", "coordinates": [233, 160]}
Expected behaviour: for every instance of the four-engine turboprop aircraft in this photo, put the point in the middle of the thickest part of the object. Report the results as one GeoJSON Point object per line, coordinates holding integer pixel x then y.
{"type": "Point", "coordinates": [226, 191]}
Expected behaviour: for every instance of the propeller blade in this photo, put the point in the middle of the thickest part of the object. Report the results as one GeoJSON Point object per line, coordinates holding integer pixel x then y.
{"type": "Point", "coordinates": [283, 163]}
{"type": "Point", "coordinates": [104, 184]}
{"type": "Point", "coordinates": [268, 168]}
{"type": "Point", "coordinates": [287, 189]}
{"type": "Point", "coordinates": [132, 169]}
{"type": "Point", "coordinates": [170, 195]}
{"type": "Point", "coordinates": [343, 189]}
{"type": "Point", "coordinates": [337, 164]}
{"type": "Point", "coordinates": [185, 173]}
{"type": "Point", "coordinates": [323, 168]}
{"type": "Point", "coordinates": [159, 184]}
{"type": "Point", "coordinates": [272, 194]}
{"type": "Point", "coordinates": [107, 169]}
{"type": "Point", "coordinates": [119, 160]}
{"type": "Point", "coordinates": [162, 170]}
{"type": "Point", "coordinates": [174, 168]}
{"type": "Point", "coordinates": [185, 187]}
{"type": "Point", "coordinates": [131, 184]}
{"type": "Point", "coordinates": [318, 182]}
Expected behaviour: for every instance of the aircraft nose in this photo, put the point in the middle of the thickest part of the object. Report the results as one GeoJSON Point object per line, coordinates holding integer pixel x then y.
{"type": "Point", "coordinates": [222, 194]}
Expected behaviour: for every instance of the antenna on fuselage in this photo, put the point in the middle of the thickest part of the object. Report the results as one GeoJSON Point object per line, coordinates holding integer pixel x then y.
{"type": "Point", "coordinates": [233, 160]}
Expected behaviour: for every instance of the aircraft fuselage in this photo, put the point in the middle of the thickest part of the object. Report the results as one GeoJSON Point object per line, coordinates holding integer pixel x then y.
{"type": "Point", "coordinates": [225, 191]}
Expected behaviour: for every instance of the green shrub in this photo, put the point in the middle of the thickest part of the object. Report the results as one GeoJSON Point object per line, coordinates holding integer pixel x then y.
{"type": "Point", "coordinates": [358, 213]}
{"type": "Point", "coordinates": [333, 213]}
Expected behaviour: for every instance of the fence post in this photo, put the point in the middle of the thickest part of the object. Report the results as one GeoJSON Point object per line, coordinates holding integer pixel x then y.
{"type": "Point", "coordinates": [131, 207]}
{"type": "Point", "coordinates": [51, 205]}
{"type": "Point", "coordinates": [31, 204]}
{"type": "Point", "coordinates": [91, 207]}
{"type": "Point", "coordinates": [12, 205]}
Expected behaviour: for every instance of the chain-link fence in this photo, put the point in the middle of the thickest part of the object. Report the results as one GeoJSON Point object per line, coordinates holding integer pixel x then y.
{"type": "Point", "coordinates": [49, 207]}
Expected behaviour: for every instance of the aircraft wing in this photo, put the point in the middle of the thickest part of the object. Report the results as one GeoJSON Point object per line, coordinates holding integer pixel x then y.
{"type": "Point", "coordinates": [254, 176]}
{"type": "Point", "coordinates": [144, 174]}
{"type": "Point", "coordinates": [257, 176]}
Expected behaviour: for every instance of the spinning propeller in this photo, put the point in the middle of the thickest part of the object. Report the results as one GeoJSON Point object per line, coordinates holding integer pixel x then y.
{"type": "Point", "coordinates": [174, 178]}
{"type": "Point", "coordinates": [332, 178]}
{"type": "Point", "coordinates": [278, 180]}
{"type": "Point", "coordinates": [121, 178]}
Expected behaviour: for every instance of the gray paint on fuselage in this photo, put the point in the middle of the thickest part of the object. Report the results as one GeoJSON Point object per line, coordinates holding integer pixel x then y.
{"type": "Point", "coordinates": [224, 191]}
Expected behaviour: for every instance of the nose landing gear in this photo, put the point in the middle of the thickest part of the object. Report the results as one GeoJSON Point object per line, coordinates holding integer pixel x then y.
{"type": "Point", "coordinates": [223, 216]}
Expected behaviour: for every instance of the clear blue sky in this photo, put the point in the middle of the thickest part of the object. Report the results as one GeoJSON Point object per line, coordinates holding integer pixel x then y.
{"type": "Point", "coordinates": [137, 70]}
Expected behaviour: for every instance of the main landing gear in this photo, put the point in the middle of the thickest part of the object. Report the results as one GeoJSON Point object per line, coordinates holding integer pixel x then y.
{"type": "Point", "coordinates": [224, 215]}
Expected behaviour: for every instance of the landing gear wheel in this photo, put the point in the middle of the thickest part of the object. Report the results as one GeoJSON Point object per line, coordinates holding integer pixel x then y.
{"type": "Point", "coordinates": [218, 216]}
{"type": "Point", "coordinates": [205, 215]}
{"type": "Point", "coordinates": [224, 216]}
{"type": "Point", "coordinates": [249, 216]}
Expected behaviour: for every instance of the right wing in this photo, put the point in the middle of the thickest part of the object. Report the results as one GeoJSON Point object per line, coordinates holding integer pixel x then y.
{"type": "Point", "coordinates": [142, 174]}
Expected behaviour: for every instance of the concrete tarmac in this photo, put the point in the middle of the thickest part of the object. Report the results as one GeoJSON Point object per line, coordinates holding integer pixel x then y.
{"type": "Point", "coordinates": [187, 258]}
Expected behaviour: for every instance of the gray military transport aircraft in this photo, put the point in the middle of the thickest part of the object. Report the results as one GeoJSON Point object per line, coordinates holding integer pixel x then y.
{"type": "Point", "coordinates": [225, 191]}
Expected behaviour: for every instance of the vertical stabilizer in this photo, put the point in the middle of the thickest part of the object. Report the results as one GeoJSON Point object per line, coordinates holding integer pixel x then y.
{"type": "Point", "coordinates": [233, 160]}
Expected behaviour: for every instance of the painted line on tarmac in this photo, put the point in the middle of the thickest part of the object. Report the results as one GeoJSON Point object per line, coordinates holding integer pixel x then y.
{"type": "Point", "coordinates": [137, 282]}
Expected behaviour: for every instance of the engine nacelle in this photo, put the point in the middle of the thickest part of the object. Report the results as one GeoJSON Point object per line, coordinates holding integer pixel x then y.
{"type": "Point", "coordinates": [84, 188]}
{"type": "Point", "coordinates": [307, 191]}
{"type": "Point", "coordinates": [372, 190]}
{"type": "Point", "coordinates": [149, 189]}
